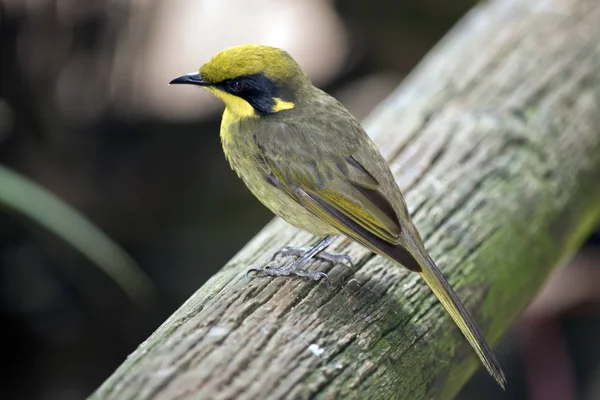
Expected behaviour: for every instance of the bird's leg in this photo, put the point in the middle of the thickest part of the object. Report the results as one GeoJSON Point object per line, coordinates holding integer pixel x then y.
{"type": "Point", "coordinates": [304, 256]}
{"type": "Point", "coordinates": [336, 258]}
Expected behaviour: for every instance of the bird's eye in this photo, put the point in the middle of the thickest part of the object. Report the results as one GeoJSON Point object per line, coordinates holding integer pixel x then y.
{"type": "Point", "coordinates": [236, 86]}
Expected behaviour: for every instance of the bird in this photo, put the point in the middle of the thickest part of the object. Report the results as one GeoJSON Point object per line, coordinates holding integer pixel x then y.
{"type": "Point", "coordinates": [306, 158]}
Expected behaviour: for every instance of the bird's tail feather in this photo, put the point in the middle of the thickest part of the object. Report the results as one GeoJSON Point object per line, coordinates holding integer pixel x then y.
{"type": "Point", "coordinates": [432, 275]}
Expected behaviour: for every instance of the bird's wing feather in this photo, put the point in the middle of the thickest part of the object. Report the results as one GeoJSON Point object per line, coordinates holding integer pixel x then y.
{"type": "Point", "coordinates": [343, 192]}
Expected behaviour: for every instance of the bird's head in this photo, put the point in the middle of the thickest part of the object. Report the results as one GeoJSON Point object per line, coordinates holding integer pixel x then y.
{"type": "Point", "coordinates": [252, 80]}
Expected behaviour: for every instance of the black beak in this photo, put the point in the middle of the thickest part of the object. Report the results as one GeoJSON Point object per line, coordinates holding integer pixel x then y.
{"type": "Point", "coordinates": [193, 78]}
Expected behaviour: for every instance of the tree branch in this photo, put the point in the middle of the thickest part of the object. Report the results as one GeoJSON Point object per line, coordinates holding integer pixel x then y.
{"type": "Point", "coordinates": [495, 141]}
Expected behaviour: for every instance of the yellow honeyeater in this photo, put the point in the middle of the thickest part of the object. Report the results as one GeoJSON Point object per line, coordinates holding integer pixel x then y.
{"type": "Point", "coordinates": [306, 158]}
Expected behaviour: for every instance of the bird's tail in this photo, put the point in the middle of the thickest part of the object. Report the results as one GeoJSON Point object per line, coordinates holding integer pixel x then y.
{"type": "Point", "coordinates": [432, 275]}
{"type": "Point", "coordinates": [414, 257]}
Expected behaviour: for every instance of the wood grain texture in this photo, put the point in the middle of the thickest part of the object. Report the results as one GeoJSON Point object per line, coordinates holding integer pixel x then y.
{"type": "Point", "coordinates": [495, 141]}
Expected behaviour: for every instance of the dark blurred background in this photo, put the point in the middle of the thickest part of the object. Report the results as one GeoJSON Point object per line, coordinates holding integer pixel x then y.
{"type": "Point", "coordinates": [85, 110]}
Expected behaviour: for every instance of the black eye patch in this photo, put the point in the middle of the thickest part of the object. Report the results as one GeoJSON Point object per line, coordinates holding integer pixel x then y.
{"type": "Point", "coordinates": [256, 89]}
{"type": "Point", "coordinates": [248, 84]}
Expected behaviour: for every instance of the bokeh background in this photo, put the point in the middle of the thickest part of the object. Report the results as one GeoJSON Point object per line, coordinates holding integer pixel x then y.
{"type": "Point", "coordinates": [85, 110]}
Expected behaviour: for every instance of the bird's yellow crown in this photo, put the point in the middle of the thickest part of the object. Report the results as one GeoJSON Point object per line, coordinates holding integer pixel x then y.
{"type": "Point", "coordinates": [250, 59]}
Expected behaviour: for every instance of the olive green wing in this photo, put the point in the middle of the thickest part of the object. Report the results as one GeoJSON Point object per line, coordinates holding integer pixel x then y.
{"type": "Point", "coordinates": [338, 189]}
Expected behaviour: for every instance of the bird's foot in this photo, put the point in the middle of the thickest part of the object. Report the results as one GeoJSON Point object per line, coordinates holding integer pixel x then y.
{"type": "Point", "coordinates": [336, 258]}
{"type": "Point", "coordinates": [303, 256]}
{"type": "Point", "coordinates": [287, 271]}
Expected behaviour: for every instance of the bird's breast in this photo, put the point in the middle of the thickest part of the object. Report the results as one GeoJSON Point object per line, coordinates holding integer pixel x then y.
{"type": "Point", "coordinates": [243, 155]}
{"type": "Point", "coordinates": [238, 146]}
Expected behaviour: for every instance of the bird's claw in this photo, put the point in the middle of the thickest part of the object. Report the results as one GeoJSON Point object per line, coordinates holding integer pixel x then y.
{"type": "Point", "coordinates": [251, 271]}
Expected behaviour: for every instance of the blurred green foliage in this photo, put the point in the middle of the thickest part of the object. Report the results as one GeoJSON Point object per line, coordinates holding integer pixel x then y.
{"type": "Point", "coordinates": [30, 199]}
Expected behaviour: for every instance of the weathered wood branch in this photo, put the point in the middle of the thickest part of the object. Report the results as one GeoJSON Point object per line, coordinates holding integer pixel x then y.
{"type": "Point", "coordinates": [495, 140]}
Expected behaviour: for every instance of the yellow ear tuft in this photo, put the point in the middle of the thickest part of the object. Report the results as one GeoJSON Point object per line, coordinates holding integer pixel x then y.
{"type": "Point", "coordinates": [281, 105]}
